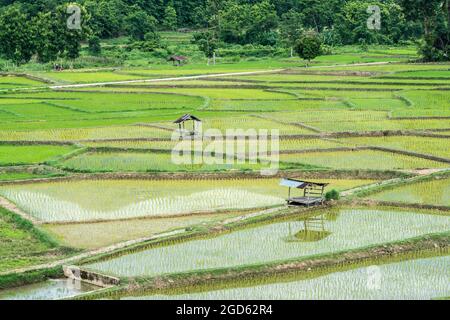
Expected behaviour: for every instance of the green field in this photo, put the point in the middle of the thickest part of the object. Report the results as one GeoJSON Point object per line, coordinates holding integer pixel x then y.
{"type": "Point", "coordinates": [19, 155]}
{"type": "Point", "coordinates": [112, 143]}
{"type": "Point", "coordinates": [398, 278]}
{"type": "Point", "coordinates": [365, 159]}
{"type": "Point", "coordinates": [346, 229]}
{"type": "Point", "coordinates": [434, 192]}
{"type": "Point", "coordinates": [78, 201]}
{"type": "Point", "coordinates": [23, 245]}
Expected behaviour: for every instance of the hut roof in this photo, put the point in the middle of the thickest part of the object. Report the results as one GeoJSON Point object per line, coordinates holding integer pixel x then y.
{"type": "Point", "coordinates": [177, 58]}
{"type": "Point", "coordinates": [299, 184]}
{"type": "Point", "coordinates": [187, 117]}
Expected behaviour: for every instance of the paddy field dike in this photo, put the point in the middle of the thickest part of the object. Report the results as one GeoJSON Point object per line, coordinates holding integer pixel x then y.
{"type": "Point", "coordinates": [88, 182]}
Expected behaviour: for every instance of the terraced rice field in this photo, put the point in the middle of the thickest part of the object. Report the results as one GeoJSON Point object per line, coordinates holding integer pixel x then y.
{"type": "Point", "coordinates": [434, 192]}
{"type": "Point", "coordinates": [425, 145]}
{"type": "Point", "coordinates": [78, 201]}
{"type": "Point", "coordinates": [11, 82]}
{"type": "Point", "coordinates": [19, 155]}
{"type": "Point", "coordinates": [363, 159]}
{"type": "Point", "coordinates": [346, 229]}
{"type": "Point", "coordinates": [407, 280]}
{"type": "Point", "coordinates": [118, 139]}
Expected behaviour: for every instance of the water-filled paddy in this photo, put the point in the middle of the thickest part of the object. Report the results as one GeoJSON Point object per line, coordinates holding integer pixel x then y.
{"type": "Point", "coordinates": [343, 229]}
{"type": "Point", "coordinates": [435, 192]}
{"type": "Point", "coordinates": [48, 290]}
{"type": "Point", "coordinates": [118, 199]}
{"type": "Point", "coordinates": [417, 279]}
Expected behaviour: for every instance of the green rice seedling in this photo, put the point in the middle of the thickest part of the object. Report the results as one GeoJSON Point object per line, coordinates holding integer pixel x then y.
{"type": "Point", "coordinates": [88, 77]}
{"type": "Point", "coordinates": [434, 192]}
{"type": "Point", "coordinates": [425, 74]}
{"type": "Point", "coordinates": [273, 106]}
{"type": "Point", "coordinates": [22, 245]}
{"type": "Point", "coordinates": [438, 147]}
{"type": "Point", "coordinates": [19, 155]}
{"type": "Point", "coordinates": [76, 134]}
{"type": "Point", "coordinates": [348, 229]}
{"type": "Point", "coordinates": [414, 279]}
{"type": "Point", "coordinates": [361, 159]}
{"type": "Point", "coordinates": [150, 162]}
{"type": "Point", "coordinates": [309, 117]}
{"type": "Point", "coordinates": [229, 94]}
{"type": "Point", "coordinates": [94, 101]}
{"type": "Point", "coordinates": [12, 82]}
{"type": "Point", "coordinates": [353, 126]}
{"type": "Point", "coordinates": [119, 199]}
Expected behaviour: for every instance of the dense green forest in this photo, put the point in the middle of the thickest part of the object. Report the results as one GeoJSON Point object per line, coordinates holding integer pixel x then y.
{"type": "Point", "coordinates": [37, 29]}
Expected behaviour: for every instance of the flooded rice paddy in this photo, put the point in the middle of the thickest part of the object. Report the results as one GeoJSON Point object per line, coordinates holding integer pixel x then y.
{"type": "Point", "coordinates": [333, 231]}
{"type": "Point", "coordinates": [48, 290]}
{"type": "Point", "coordinates": [415, 279]}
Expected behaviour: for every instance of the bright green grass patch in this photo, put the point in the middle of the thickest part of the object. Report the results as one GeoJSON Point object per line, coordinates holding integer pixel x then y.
{"type": "Point", "coordinates": [434, 192]}
{"type": "Point", "coordinates": [425, 103]}
{"type": "Point", "coordinates": [378, 104]}
{"type": "Point", "coordinates": [14, 155]}
{"type": "Point", "coordinates": [388, 68]}
{"type": "Point", "coordinates": [44, 110]}
{"type": "Point", "coordinates": [346, 229]}
{"type": "Point", "coordinates": [111, 102]}
{"type": "Point", "coordinates": [10, 82]}
{"type": "Point", "coordinates": [325, 116]}
{"type": "Point", "coordinates": [403, 277]}
{"type": "Point", "coordinates": [285, 144]}
{"type": "Point", "coordinates": [285, 77]}
{"type": "Point", "coordinates": [248, 122]}
{"type": "Point", "coordinates": [119, 199]}
{"type": "Point", "coordinates": [364, 159]}
{"type": "Point", "coordinates": [10, 176]}
{"type": "Point", "coordinates": [112, 132]}
{"type": "Point", "coordinates": [21, 244]}
{"type": "Point", "coordinates": [438, 147]}
{"type": "Point", "coordinates": [352, 126]}
{"type": "Point", "coordinates": [229, 94]}
{"type": "Point", "coordinates": [271, 106]}
{"type": "Point", "coordinates": [88, 77]}
{"type": "Point", "coordinates": [251, 123]}
{"type": "Point", "coordinates": [147, 162]}
{"type": "Point", "coordinates": [423, 74]}
{"type": "Point", "coordinates": [344, 94]}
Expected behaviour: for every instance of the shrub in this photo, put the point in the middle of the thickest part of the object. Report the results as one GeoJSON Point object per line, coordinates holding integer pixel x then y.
{"type": "Point", "coordinates": [332, 195]}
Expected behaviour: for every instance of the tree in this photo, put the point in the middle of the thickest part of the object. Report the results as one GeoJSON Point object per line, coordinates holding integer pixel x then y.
{"type": "Point", "coordinates": [95, 47]}
{"type": "Point", "coordinates": [138, 24]}
{"type": "Point", "coordinates": [170, 18]}
{"type": "Point", "coordinates": [107, 17]}
{"type": "Point", "coordinates": [16, 35]}
{"type": "Point", "coordinates": [308, 46]}
{"type": "Point", "coordinates": [434, 16]}
{"type": "Point", "coordinates": [207, 43]}
{"type": "Point", "coordinates": [246, 23]}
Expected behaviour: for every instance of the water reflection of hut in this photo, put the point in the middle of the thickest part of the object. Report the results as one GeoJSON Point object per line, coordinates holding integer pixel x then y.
{"type": "Point", "coordinates": [312, 230]}
{"type": "Point", "coordinates": [313, 192]}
